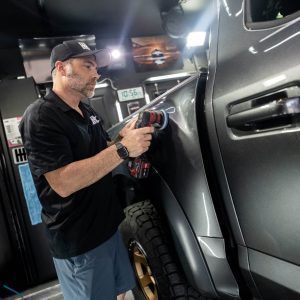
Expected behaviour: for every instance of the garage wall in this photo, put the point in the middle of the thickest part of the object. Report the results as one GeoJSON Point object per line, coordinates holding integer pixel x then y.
{"type": "Point", "coordinates": [15, 96]}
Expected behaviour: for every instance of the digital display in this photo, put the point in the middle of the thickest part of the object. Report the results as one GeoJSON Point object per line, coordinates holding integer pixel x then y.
{"type": "Point", "coordinates": [131, 94]}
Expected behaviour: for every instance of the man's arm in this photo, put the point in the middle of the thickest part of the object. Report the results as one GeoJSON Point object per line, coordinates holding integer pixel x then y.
{"type": "Point", "coordinates": [77, 175]}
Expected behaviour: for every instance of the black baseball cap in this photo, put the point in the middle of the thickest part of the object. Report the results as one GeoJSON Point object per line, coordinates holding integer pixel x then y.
{"type": "Point", "coordinates": [70, 49]}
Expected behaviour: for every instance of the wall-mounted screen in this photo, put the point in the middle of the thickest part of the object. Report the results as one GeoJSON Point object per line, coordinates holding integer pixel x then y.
{"type": "Point", "coordinates": [155, 53]}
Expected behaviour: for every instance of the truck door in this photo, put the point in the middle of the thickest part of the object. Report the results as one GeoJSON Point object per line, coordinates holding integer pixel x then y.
{"type": "Point", "coordinates": [253, 98]}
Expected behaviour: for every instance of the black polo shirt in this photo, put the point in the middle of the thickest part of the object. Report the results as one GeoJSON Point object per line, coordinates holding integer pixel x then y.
{"type": "Point", "coordinates": [55, 135]}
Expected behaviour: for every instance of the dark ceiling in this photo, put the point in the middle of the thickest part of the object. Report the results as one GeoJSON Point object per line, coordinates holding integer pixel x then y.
{"type": "Point", "coordinates": [104, 18]}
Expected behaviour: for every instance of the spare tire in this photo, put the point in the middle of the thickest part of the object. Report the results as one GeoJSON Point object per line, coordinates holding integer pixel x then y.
{"type": "Point", "coordinates": [153, 260]}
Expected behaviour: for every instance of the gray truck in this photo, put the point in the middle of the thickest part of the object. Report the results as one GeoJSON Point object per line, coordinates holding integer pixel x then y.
{"type": "Point", "coordinates": [218, 215]}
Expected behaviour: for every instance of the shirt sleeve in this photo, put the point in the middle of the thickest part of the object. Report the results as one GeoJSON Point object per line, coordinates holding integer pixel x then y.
{"type": "Point", "coordinates": [106, 135]}
{"type": "Point", "coordinates": [47, 145]}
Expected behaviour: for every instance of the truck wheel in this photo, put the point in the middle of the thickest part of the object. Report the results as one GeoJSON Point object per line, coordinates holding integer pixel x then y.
{"type": "Point", "coordinates": [157, 273]}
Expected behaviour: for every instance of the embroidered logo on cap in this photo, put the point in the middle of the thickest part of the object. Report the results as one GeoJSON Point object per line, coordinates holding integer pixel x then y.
{"type": "Point", "coordinates": [94, 120]}
{"type": "Point", "coordinates": [84, 46]}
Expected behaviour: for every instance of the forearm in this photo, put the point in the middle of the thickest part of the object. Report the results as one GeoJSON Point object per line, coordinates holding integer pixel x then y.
{"type": "Point", "coordinates": [83, 173]}
{"type": "Point", "coordinates": [80, 174]}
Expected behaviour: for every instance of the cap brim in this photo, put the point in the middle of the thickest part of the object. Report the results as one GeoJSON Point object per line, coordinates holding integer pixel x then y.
{"type": "Point", "coordinates": [103, 56]}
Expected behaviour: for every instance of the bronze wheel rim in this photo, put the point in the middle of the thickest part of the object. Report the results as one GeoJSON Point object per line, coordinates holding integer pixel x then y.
{"type": "Point", "coordinates": [143, 271]}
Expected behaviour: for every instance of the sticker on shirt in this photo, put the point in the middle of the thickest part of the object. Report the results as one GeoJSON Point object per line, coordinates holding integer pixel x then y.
{"type": "Point", "coordinates": [13, 135]}
{"type": "Point", "coordinates": [95, 120]}
{"type": "Point", "coordinates": [33, 203]}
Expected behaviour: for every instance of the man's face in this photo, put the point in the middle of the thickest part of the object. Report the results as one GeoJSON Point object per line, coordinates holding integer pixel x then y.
{"type": "Point", "coordinates": [82, 75]}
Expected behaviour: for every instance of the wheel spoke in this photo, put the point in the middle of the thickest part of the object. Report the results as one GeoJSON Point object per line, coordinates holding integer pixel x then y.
{"type": "Point", "coordinates": [139, 258]}
{"type": "Point", "coordinates": [150, 295]}
{"type": "Point", "coordinates": [152, 279]}
{"type": "Point", "coordinates": [145, 280]}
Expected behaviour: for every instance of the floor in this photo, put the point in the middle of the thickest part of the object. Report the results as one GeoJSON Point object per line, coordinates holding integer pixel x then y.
{"type": "Point", "coordinates": [47, 291]}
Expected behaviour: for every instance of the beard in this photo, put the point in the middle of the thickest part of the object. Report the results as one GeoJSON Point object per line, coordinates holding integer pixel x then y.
{"type": "Point", "coordinates": [78, 84]}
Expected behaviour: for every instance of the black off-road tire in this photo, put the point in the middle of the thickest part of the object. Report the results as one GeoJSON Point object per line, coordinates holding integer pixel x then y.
{"type": "Point", "coordinates": [143, 232]}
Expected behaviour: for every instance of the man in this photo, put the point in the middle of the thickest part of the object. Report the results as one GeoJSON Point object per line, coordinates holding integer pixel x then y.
{"type": "Point", "coordinates": [71, 164]}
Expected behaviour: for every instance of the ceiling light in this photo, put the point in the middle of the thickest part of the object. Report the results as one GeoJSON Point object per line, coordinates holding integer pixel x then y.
{"type": "Point", "coordinates": [166, 77]}
{"type": "Point", "coordinates": [101, 85]}
{"type": "Point", "coordinates": [116, 53]}
{"type": "Point", "coordinates": [195, 39]}
{"type": "Point", "coordinates": [119, 111]}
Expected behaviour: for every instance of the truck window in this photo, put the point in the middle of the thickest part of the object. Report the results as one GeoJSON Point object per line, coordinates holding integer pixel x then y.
{"type": "Point", "coordinates": [269, 13]}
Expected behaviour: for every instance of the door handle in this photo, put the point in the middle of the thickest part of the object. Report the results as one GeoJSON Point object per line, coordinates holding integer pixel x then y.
{"type": "Point", "coordinates": [273, 113]}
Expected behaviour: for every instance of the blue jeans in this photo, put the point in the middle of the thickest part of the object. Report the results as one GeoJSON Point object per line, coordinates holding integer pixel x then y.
{"type": "Point", "coordinates": [101, 273]}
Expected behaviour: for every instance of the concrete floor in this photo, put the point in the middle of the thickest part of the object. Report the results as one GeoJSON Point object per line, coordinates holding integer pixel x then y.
{"type": "Point", "coordinates": [49, 291]}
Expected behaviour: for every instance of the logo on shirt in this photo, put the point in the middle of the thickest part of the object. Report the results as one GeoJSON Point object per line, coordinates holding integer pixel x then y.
{"type": "Point", "coordinates": [84, 46]}
{"type": "Point", "coordinates": [94, 120]}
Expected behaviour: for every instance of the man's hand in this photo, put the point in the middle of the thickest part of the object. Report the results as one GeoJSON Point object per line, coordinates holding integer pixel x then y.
{"type": "Point", "coordinates": [128, 127]}
{"type": "Point", "coordinates": [137, 141]}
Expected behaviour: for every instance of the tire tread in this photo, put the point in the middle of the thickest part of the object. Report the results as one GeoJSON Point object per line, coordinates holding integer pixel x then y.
{"type": "Point", "coordinates": [142, 220]}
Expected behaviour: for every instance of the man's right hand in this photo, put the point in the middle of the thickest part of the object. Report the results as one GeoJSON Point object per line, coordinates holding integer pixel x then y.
{"type": "Point", "coordinates": [137, 141]}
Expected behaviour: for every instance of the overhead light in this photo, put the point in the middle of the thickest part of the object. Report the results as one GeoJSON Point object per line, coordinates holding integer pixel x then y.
{"type": "Point", "coordinates": [166, 77]}
{"type": "Point", "coordinates": [196, 38]}
{"type": "Point", "coordinates": [118, 57]}
{"type": "Point", "coordinates": [119, 111]}
{"type": "Point", "coordinates": [116, 53]}
{"type": "Point", "coordinates": [101, 85]}
{"type": "Point", "coordinates": [147, 98]}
